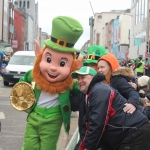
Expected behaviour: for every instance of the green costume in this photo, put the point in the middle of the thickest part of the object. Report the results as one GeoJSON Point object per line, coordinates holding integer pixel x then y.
{"type": "Point", "coordinates": [44, 124]}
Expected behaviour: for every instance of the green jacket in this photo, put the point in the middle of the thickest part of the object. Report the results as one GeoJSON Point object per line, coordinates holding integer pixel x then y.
{"type": "Point", "coordinates": [63, 99]}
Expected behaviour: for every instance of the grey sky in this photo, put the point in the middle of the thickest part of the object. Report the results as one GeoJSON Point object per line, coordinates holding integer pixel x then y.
{"type": "Point", "coordinates": [78, 9]}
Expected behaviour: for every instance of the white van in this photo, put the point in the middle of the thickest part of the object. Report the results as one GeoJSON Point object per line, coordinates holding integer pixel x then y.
{"type": "Point", "coordinates": [19, 64]}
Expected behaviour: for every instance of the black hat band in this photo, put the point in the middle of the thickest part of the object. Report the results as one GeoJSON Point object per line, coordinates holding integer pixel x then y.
{"type": "Point", "coordinates": [61, 42]}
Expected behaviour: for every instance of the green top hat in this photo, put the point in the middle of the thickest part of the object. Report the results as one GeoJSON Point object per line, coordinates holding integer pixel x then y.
{"type": "Point", "coordinates": [65, 33]}
{"type": "Point", "coordinates": [84, 71]}
{"type": "Point", "coordinates": [94, 53]}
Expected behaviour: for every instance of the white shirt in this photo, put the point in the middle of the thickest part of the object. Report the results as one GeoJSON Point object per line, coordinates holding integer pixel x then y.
{"type": "Point", "coordinates": [47, 100]}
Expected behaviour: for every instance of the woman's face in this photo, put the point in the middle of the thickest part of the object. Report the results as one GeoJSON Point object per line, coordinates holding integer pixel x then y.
{"type": "Point", "coordinates": [103, 67]}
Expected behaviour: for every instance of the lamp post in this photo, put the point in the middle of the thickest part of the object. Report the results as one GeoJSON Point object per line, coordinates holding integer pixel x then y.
{"type": "Point", "coordinates": [147, 26]}
{"type": "Point", "coordinates": [91, 24]}
{"type": "Point", "coordinates": [129, 33]}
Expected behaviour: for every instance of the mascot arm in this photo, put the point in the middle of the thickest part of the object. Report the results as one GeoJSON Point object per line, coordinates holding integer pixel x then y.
{"type": "Point", "coordinates": [75, 89]}
{"type": "Point", "coordinates": [27, 77]}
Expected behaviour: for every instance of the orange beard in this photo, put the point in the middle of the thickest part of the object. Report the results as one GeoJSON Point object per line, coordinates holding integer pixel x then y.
{"type": "Point", "coordinates": [50, 87]}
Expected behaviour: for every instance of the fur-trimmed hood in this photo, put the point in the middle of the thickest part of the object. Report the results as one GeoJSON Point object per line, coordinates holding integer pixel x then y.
{"type": "Point", "coordinates": [124, 71]}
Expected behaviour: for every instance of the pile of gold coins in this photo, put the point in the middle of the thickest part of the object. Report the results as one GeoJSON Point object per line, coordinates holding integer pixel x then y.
{"type": "Point", "coordinates": [22, 96]}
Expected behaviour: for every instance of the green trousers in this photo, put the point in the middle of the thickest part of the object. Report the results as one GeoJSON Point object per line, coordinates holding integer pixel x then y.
{"type": "Point", "coordinates": [42, 133]}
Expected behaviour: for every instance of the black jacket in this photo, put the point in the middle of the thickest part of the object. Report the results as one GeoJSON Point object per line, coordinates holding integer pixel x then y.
{"type": "Point", "coordinates": [119, 81]}
{"type": "Point", "coordinates": [105, 120]}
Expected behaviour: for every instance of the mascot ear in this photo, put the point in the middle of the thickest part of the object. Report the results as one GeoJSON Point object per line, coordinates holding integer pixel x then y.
{"type": "Point", "coordinates": [37, 49]}
{"type": "Point", "coordinates": [79, 63]}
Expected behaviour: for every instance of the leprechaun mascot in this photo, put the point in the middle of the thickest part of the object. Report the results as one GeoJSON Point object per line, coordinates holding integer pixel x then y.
{"type": "Point", "coordinates": [51, 74]}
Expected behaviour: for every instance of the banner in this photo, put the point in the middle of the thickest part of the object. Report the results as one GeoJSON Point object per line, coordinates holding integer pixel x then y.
{"type": "Point", "coordinates": [14, 44]}
{"type": "Point", "coordinates": [147, 55]}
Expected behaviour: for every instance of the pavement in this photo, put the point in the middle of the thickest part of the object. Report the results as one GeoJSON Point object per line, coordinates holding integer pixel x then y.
{"type": "Point", "coordinates": [64, 138]}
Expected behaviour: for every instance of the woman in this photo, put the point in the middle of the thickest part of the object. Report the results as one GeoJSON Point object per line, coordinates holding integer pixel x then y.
{"type": "Point", "coordinates": [119, 78]}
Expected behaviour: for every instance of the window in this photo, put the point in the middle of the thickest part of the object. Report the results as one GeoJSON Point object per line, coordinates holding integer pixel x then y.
{"type": "Point", "coordinates": [24, 4]}
{"type": "Point", "coordinates": [22, 60]}
{"type": "Point", "coordinates": [16, 3]}
{"type": "Point", "coordinates": [28, 5]}
{"type": "Point", "coordinates": [133, 4]}
{"type": "Point", "coordinates": [100, 16]}
{"type": "Point", "coordinates": [20, 3]}
{"type": "Point", "coordinates": [141, 37]}
{"type": "Point", "coordinates": [136, 15]}
{"type": "Point", "coordinates": [142, 9]}
{"type": "Point", "coordinates": [146, 1]}
{"type": "Point", "coordinates": [139, 13]}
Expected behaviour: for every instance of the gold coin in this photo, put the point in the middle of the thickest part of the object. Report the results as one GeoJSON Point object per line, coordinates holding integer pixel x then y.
{"type": "Point", "coordinates": [22, 96]}
{"type": "Point", "coordinates": [24, 105]}
{"type": "Point", "coordinates": [14, 100]}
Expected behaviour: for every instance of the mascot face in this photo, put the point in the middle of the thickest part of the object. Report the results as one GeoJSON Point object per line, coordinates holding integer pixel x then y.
{"type": "Point", "coordinates": [55, 66]}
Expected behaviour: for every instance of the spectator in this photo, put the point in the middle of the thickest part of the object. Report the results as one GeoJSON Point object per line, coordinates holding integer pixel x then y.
{"type": "Point", "coordinates": [78, 102]}
{"type": "Point", "coordinates": [147, 67]}
{"type": "Point", "coordinates": [144, 83]}
{"type": "Point", "coordinates": [140, 67]}
{"type": "Point", "coordinates": [119, 78]}
{"type": "Point", "coordinates": [105, 121]}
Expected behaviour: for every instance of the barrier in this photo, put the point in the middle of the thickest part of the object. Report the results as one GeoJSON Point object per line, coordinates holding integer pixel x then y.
{"type": "Point", "coordinates": [74, 140]}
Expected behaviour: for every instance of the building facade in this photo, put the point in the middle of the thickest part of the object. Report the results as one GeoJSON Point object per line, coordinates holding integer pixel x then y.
{"type": "Point", "coordinates": [139, 32]}
{"type": "Point", "coordinates": [20, 31]}
{"type": "Point", "coordinates": [100, 20]}
{"type": "Point", "coordinates": [44, 36]}
{"type": "Point", "coordinates": [30, 10]}
{"type": "Point", "coordinates": [6, 24]}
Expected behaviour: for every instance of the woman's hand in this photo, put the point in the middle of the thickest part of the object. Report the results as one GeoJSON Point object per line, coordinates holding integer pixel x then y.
{"type": "Point", "coordinates": [129, 108]}
{"type": "Point", "coordinates": [133, 85]}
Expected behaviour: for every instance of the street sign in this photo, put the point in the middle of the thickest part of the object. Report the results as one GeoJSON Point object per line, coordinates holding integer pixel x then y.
{"type": "Point", "coordinates": [137, 42]}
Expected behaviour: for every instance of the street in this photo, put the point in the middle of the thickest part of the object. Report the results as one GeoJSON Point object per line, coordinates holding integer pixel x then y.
{"type": "Point", "coordinates": [13, 124]}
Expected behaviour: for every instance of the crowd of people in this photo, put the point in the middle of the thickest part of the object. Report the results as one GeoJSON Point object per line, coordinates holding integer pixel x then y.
{"type": "Point", "coordinates": [114, 103]}
{"type": "Point", "coordinates": [140, 66]}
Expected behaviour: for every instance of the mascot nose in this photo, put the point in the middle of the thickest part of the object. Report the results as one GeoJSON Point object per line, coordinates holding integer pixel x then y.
{"type": "Point", "coordinates": [53, 68]}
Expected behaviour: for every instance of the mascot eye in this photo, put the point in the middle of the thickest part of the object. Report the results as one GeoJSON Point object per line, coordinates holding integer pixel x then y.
{"type": "Point", "coordinates": [62, 63]}
{"type": "Point", "coordinates": [48, 59]}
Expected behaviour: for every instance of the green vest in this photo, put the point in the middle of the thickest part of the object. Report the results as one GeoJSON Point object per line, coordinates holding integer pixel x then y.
{"type": "Point", "coordinates": [141, 68]}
